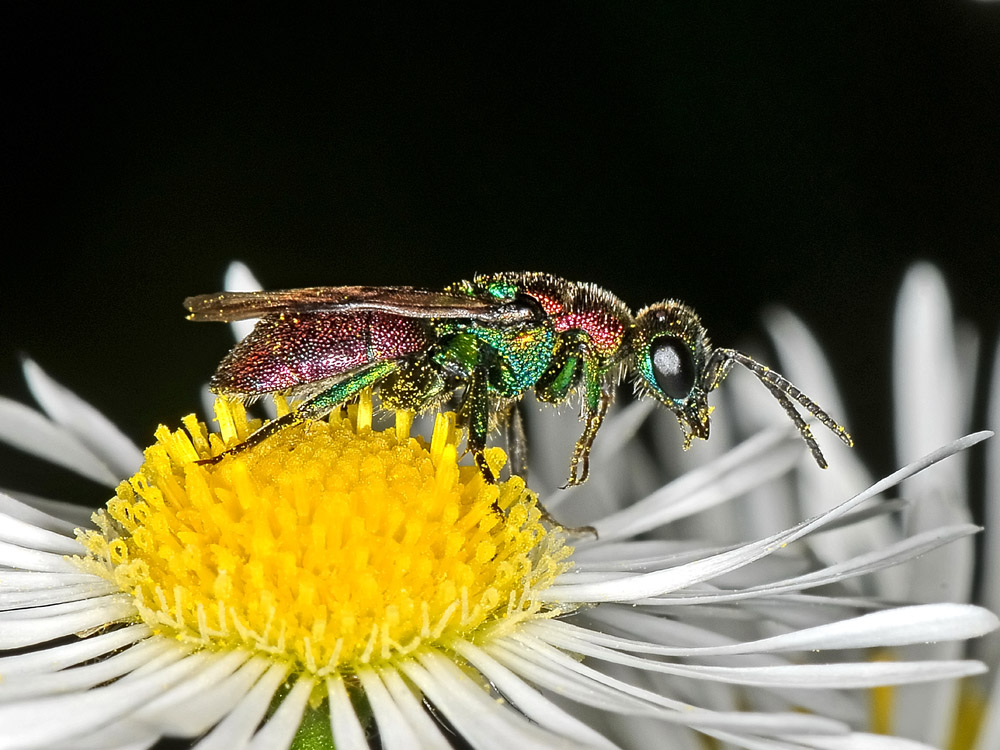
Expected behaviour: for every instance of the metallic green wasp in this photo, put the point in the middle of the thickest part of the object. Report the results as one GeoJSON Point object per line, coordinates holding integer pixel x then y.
{"type": "Point", "coordinates": [492, 339]}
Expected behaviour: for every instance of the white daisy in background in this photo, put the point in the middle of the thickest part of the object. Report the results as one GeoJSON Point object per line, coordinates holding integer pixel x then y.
{"type": "Point", "coordinates": [352, 587]}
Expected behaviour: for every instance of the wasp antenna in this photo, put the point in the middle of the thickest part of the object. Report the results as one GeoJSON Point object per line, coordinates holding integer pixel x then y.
{"type": "Point", "coordinates": [783, 391]}
{"type": "Point", "coordinates": [800, 424]}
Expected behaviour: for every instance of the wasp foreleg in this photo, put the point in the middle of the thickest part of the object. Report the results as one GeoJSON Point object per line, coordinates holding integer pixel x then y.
{"type": "Point", "coordinates": [597, 399]}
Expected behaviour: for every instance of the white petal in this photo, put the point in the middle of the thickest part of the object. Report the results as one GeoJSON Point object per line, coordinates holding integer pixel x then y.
{"type": "Point", "coordinates": [947, 573]}
{"type": "Point", "coordinates": [30, 431]}
{"type": "Point", "coordinates": [552, 432]}
{"type": "Point", "coordinates": [804, 363]}
{"type": "Point", "coordinates": [158, 661]}
{"type": "Point", "coordinates": [16, 531]}
{"type": "Point", "coordinates": [991, 538]}
{"type": "Point", "coordinates": [905, 551]}
{"type": "Point", "coordinates": [989, 734]}
{"type": "Point", "coordinates": [580, 685]}
{"type": "Point", "coordinates": [78, 679]}
{"type": "Point", "coordinates": [558, 668]}
{"type": "Point", "coordinates": [207, 400]}
{"type": "Point", "coordinates": [622, 426]}
{"type": "Point", "coordinates": [239, 278]}
{"type": "Point", "coordinates": [199, 713]}
{"type": "Point", "coordinates": [20, 631]}
{"type": "Point", "coordinates": [989, 731]}
{"type": "Point", "coordinates": [754, 743]}
{"type": "Point", "coordinates": [65, 517]}
{"type": "Point", "coordinates": [802, 358]}
{"type": "Point", "coordinates": [619, 428]}
{"type": "Point", "coordinates": [236, 729]}
{"type": "Point", "coordinates": [91, 589]}
{"type": "Point", "coordinates": [348, 734]}
{"type": "Point", "coordinates": [840, 675]}
{"type": "Point", "coordinates": [852, 741]}
{"type": "Point", "coordinates": [642, 733]}
{"type": "Point", "coordinates": [672, 579]}
{"type": "Point", "coordinates": [28, 514]}
{"type": "Point", "coordinates": [865, 564]}
{"type": "Point", "coordinates": [932, 400]}
{"type": "Point", "coordinates": [410, 705]}
{"type": "Point", "coordinates": [54, 658]}
{"type": "Point", "coordinates": [620, 555]}
{"type": "Point", "coordinates": [123, 735]}
{"type": "Point", "coordinates": [862, 741]}
{"type": "Point", "coordinates": [757, 460]}
{"type": "Point", "coordinates": [54, 610]}
{"type": "Point", "coordinates": [475, 716]}
{"type": "Point", "coordinates": [394, 731]}
{"type": "Point", "coordinates": [91, 427]}
{"type": "Point", "coordinates": [280, 729]}
{"type": "Point", "coordinates": [34, 580]}
{"type": "Point", "coordinates": [901, 626]}
{"type": "Point", "coordinates": [21, 558]}
{"type": "Point", "coordinates": [927, 386]}
{"type": "Point", "coordinates": [661, 630]}
{"type": "Point", "coordinates": [528, 700]}
{"type": "Point", "coordinates": [29, 723]}
{"type": "Point", "coordinates": [214, 668]}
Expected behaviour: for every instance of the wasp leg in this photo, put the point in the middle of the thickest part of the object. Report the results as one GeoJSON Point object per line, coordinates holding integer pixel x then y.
{"type": "Point", "coordinates": [258, 436]}
{"type": "Point", "coordinates": [579, 465]}
{"type": "Point", "coordinates": [571, 530]}
{"type": "Point", "coordinates": [314, 408]}
{"type": "Point", "coordinates": [475, 411]}
{"type": "Point", "coordinates": [512, 423]}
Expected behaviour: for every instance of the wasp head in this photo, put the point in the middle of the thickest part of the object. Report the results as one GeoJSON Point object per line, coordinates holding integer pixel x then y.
{"type": "Point", "coordinates": [670, 352]}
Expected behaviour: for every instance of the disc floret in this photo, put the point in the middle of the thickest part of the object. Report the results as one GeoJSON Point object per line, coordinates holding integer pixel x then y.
{"type": "Point", "coordinates": [330, 545]}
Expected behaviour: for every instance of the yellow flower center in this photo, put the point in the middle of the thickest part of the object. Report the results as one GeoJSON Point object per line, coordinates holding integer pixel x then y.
{"type": "Point", "coordinates": [329, 544]}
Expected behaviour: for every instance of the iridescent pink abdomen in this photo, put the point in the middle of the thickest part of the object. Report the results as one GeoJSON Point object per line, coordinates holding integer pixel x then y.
{"type": "Point", "coordinates": [285, 352]}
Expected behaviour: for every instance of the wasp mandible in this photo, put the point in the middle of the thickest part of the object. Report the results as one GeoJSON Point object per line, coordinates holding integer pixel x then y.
{"type": "Point", "coordinates": [495, 338]}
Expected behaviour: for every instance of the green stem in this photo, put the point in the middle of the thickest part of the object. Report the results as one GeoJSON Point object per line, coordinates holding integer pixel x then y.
{"type": "Point", "coordinates": [314, 731]}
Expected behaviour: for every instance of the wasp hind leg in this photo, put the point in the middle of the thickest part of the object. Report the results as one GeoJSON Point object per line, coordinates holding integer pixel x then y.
{"type": "Point", "coordinates": [316, 407]}
{"type": "Point", "coordinates": [511, 422]}
{"type": "Point", "coordinates": [571, 530]}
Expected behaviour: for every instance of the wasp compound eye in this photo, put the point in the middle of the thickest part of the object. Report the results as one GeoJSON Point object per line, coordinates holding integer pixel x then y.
{"type": "Point", "coordinates": [673, 367]}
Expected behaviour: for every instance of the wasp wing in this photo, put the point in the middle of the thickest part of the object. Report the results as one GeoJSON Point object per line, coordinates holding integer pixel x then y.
{"type": "Point", "coordinates": [400, 300]}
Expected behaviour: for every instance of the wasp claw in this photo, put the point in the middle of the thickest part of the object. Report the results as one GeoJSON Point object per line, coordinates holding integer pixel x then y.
{"type": "Point", "coordinates": [580, 531]}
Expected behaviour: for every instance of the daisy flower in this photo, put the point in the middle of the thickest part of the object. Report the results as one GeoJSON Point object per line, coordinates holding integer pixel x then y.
{"type": "Point", "coordinates": [348, 584]}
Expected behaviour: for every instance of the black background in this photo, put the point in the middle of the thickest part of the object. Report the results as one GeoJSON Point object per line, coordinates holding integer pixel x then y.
{"type": "Point", "coordinates": [728, 156]}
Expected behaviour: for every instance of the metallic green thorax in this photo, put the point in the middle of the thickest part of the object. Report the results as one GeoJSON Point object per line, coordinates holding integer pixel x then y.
{"type": "Point", "coordinates": [518, 357]}
{"type": "Point", "coordinates": [576, 342]}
